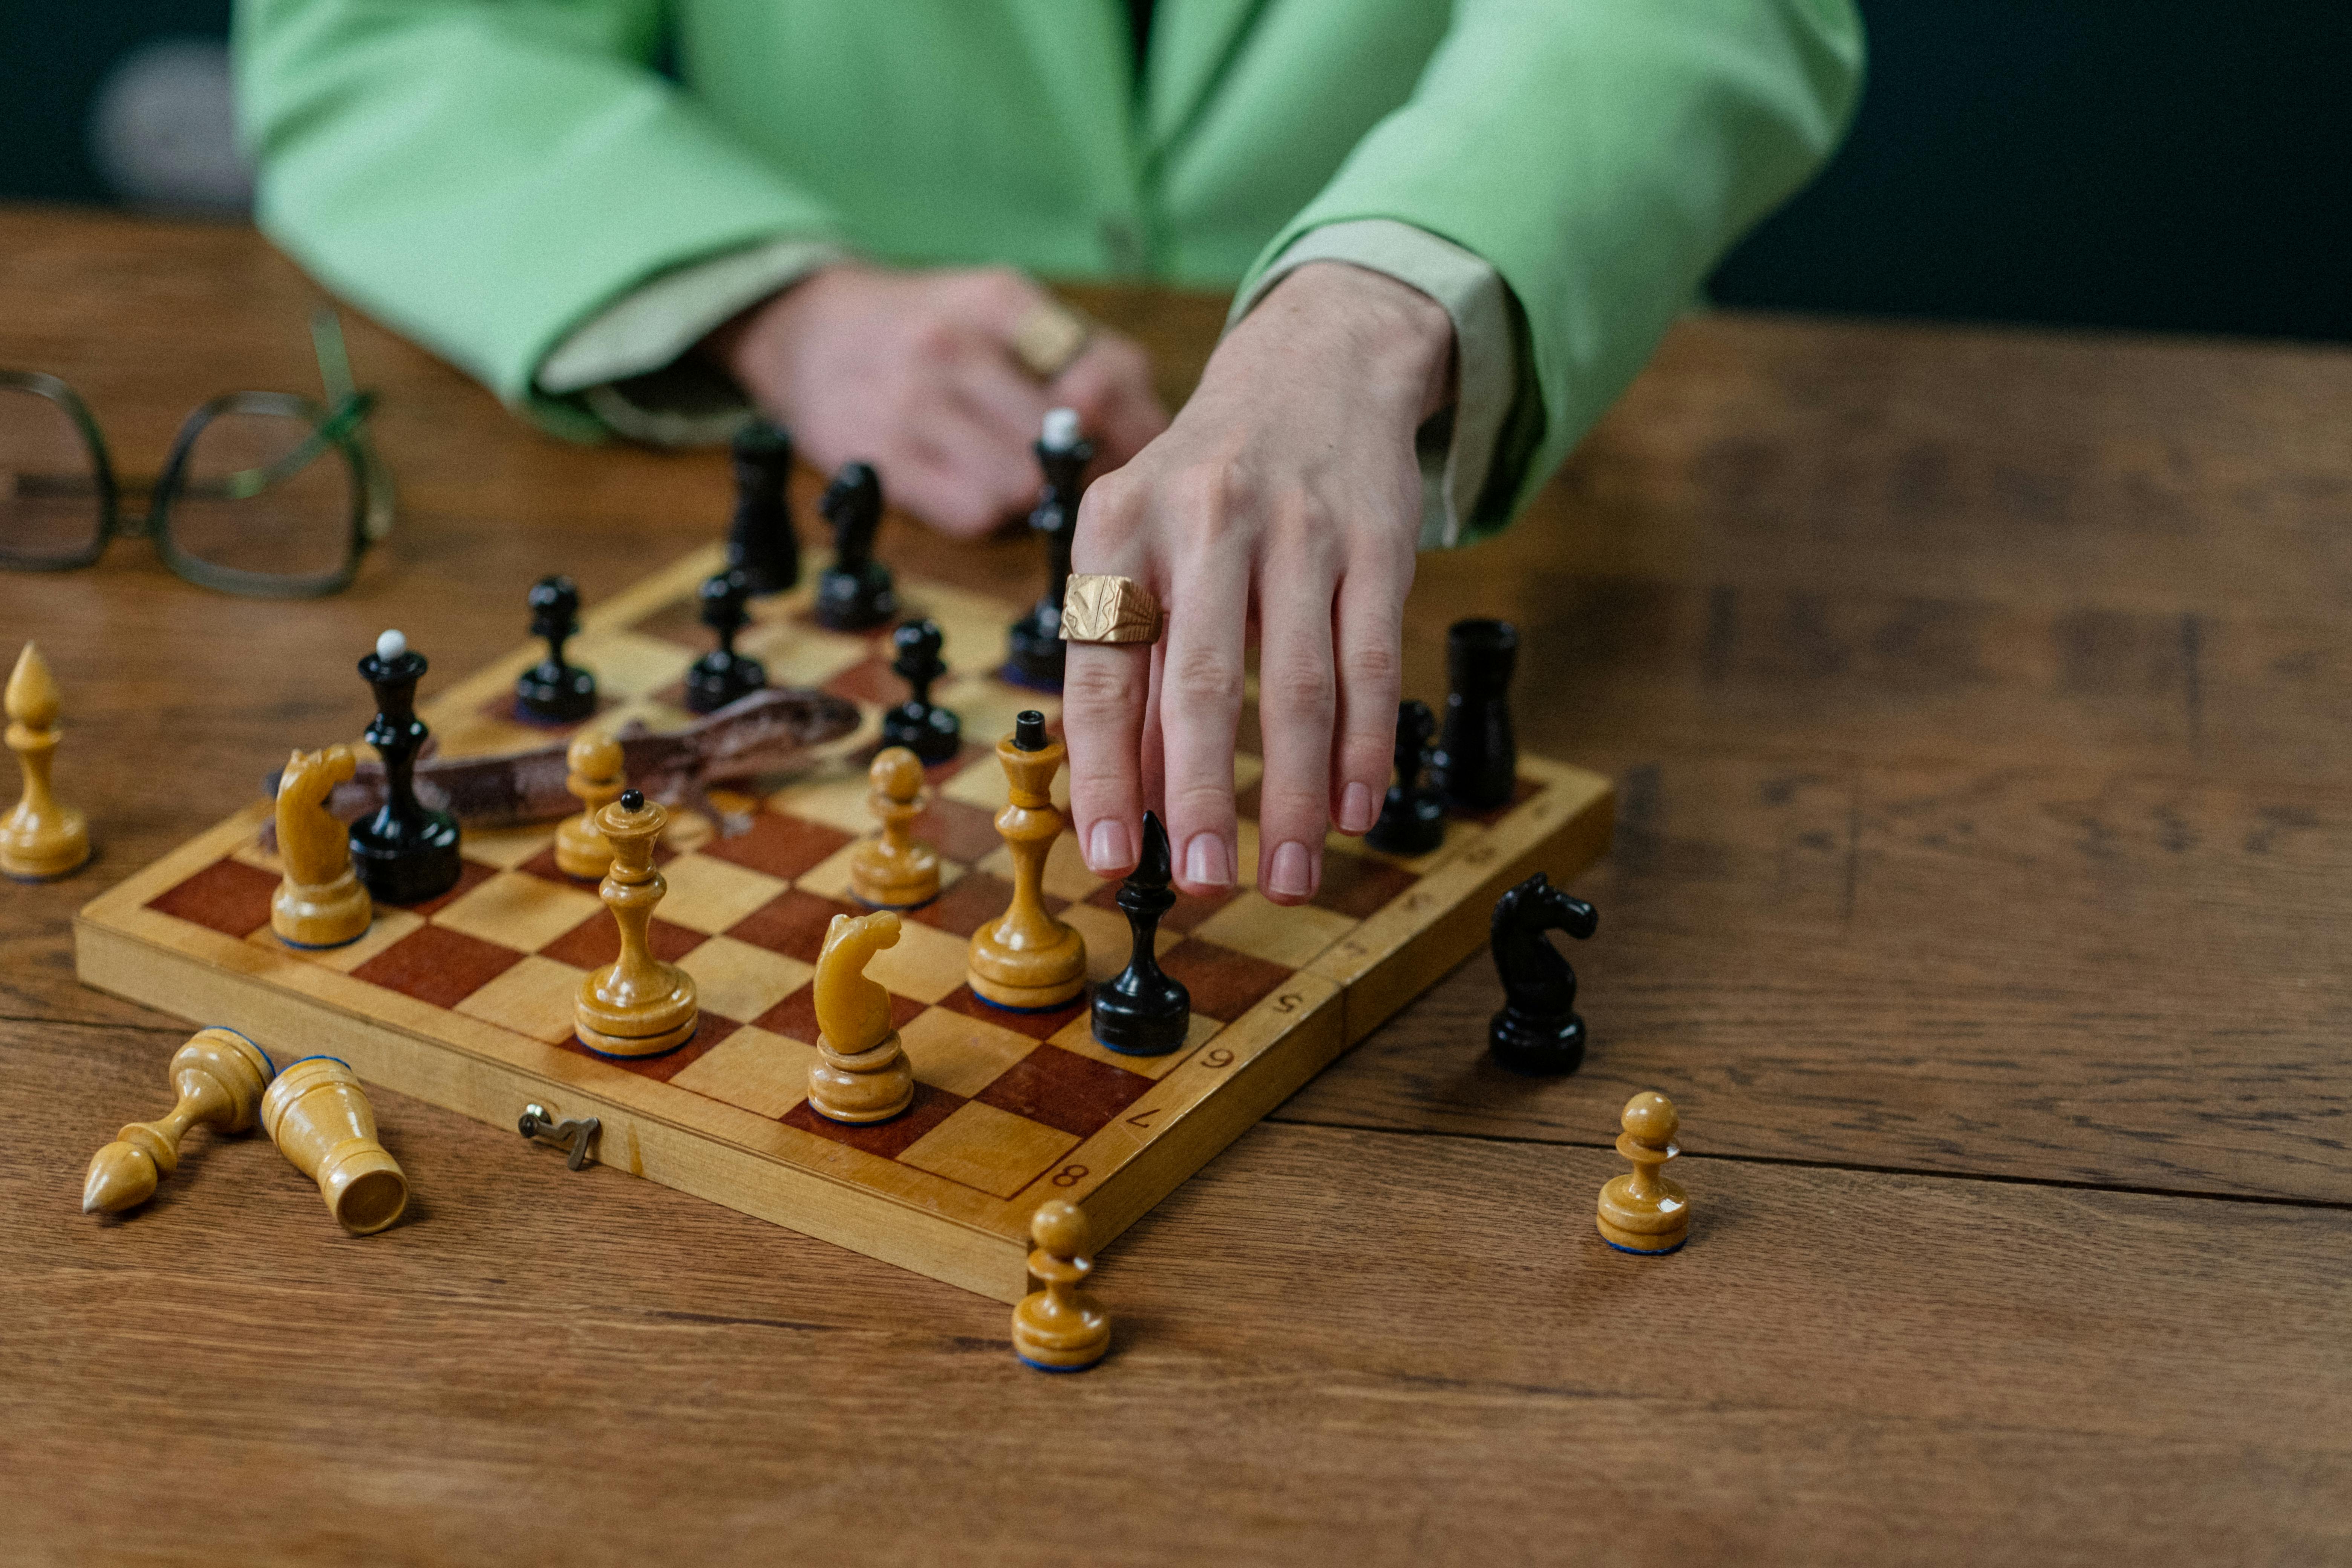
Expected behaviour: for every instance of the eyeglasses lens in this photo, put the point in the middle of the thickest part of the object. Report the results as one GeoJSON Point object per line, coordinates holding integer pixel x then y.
{"type": "Point", "coordinates": [50, 510]}
{"type": "Point", "coordinates": [243, 504]}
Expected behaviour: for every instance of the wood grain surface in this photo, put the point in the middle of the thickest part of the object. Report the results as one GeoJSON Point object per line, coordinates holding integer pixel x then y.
{"type": "Point", "coordinates": [1978, 702]}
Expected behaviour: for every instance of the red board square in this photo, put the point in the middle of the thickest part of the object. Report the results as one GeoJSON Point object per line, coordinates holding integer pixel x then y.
{"type": "Point", "coordinates": [884, 1139]}
{"type": "Point", "coordinates": [596, 941]}
{"type": "Point", "coordinates": [505, 707]}
{"type": "Point", "coordinates": [1359, 887]}
{"type": "Point", "coordinates": [869, 680]}
{"type": "Point", "coordinates": [438, 965]}
{"type": "Point", "coordinates": [1065, 1089]}
{"type": "Point", "coordinates": [471, 874]}
{"type": "Point", "coordinates": [793, 923]}
{"type": "Point", "coordinates": [779, 844]}
{"type": "Point", "coordinates": [961, 832]}
{"type": "Point", "coordinates": [1224, 983]}
{"type": "Point", "coordinates": [975, 899]}
{"type": "Point", "coordinates": [709, 1030]}
{"type": "Point", "coordinates": [794, 1017]}
{"type": "Point", "coordinates": [1189, 910]}
{"type": "Point", "coordinates": [680, 622]}
{"type": "Point", "coordinates": [1039, 1025]}
{"type": "Point", "coordinates": [228, 895]}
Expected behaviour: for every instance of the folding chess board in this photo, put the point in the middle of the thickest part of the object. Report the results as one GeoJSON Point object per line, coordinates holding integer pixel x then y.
{"type": "Point", "coordinates": [466, 1001]}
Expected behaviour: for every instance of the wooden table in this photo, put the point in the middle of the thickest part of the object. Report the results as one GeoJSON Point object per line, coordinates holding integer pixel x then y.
{"type": "Point", "coordinates": [1980, 704]}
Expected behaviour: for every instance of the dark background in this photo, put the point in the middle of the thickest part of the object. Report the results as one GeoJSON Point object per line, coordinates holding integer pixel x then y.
{"type": "Point", "coordinates": [2114, 163]}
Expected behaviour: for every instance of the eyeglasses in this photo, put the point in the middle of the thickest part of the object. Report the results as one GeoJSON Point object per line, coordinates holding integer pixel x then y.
{"type": "Point", "coordinates": [265, 494]}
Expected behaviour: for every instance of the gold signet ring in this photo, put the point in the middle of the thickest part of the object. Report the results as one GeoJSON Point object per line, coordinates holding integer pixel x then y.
{"type": "Point", "coordinates": [1101, 608]}
{"type": "Point", "coordinates": [1048, 337]}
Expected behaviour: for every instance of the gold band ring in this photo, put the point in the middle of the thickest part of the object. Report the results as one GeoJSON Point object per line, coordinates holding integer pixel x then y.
{"type": "Point", "coordinates": [1102, 608]}
{"type": "Point", "coordinates": [1048, 338]}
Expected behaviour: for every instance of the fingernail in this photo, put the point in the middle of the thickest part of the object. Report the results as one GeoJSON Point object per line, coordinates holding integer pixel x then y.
{"type": "Point", "coordinates": [1355, 809]}
{"type": "Point", "coordinates": [1206, 863]}
{"type": "Point", "coordinates": [1292, 874]}
{"type": "Point", "coordinates": [1107, 847]}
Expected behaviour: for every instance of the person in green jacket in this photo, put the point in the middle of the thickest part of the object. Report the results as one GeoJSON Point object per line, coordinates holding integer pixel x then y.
{"type": "Point", "coordinates": [1455, 229]}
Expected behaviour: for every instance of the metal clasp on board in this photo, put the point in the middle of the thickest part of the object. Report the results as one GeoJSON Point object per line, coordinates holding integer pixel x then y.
{"type": "Point", "coordinates": [573, 1136]}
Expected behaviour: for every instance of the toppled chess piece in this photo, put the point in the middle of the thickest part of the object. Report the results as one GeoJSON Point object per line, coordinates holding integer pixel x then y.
{"type": "Point", "coordinates": [1476, 763]}
{"type": "Point", "coordinates": [42, 839]}
{"type": "Point", "coordinates": [1034, 645]}
{"type": "Point", "coordinates": [320, 901]}
{"type": "Point", "coordinates": [893, 871]}
{"type": "Point", "coordinates": [595, 777]}
{"type": "Point", "coordinates": [1644, 1211]}
{"type": "Point", "coordinates": [1144, 1011]}
{"type": "Point", "coordinates": [219, 1076]}
{"type": "Point", "coordinates": [404, 853]}
{"type": "Point", "coordinates": [1537, 1030]}
{"type": "Point", "coordinates": [854, 592]}
{"type": "Point", "coordinates": [1413, 818]}
{"type": "Point", "coordinates": [723, 676]}
{"type": "Point", "coordinates": [861, 1073]}
{"type": "Point", "coordinates": [319, 1118]}
{"type": "Point", "coordinates": [1028, 959]}
{"type": "Point", "coordinates": [551, 691]}
{"type": "Point", "coordinates": [932, 733]}
{"type": "Point", "coordinates": [761, 542]}
{"type": "Point", "coordinates": [1061, 1328]}
{"type": "Point", "coordinates": [636, 1005]}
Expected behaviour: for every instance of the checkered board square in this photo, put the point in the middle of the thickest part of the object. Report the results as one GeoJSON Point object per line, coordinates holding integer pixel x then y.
{"type": "Point", "coordinates": [467, 1000]}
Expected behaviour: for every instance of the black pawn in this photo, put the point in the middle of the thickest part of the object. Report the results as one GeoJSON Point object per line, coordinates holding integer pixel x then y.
{"type": "Point", "coordinates": [1412, 818]}
{"type": "Point", "coordinates": [761, 542]}
{"type": "Point", "coordinates": [854, 592]}
{"type": "Point", "coordinates": [1034, 647]}
{"type": "Point", "coordinates": [1537, 1030]}
{"type": "Point", "coordinates": [722, 675]}
{"type": "Point", "coordinates": [934, 734]}
{"type": "Point", "coordinates": [404, 854]}
{"type": "Point", "coordinates": [1143, 1012]}
{"type": "Point", "coordinates": [1478, 759]}
{"type": "Point", "coordinates": [552, 691]}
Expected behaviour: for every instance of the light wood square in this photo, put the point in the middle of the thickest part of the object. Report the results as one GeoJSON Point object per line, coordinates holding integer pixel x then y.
{"type": "Point", "coordinates": [926, 964]}
{"type": "Point", "coordinates": [507, 848]}
{"type": "Point", "coordinates": [1107, 941]}
{"type": "Point", "coordinates": [251, 853]}
{"type": "Point", "coordinates": [535, 998]}
{"type": "Point", "coordinates": [390, 925]}
{"type": "Point", "coordinates": [973, 629]}
{"type": "Point", "coordinates": [518, 910]}
{"type": "Point", "coordinates": [1291, 936]}
{"type": "Point", "coordinates": [630, 664]}
{"type": "Point", "coordinates": [800, 656]}
{"type": "Point", "coordinates": [1077, 1035]}
{"type": "Point", "coordinates": [992, 1150]}
{"type": "Point", "coordinates": [829, 878]}
{"type": "Point", "coordinates": [708, 894]}
{"type": "Point", "coordinates": [765, 1074]}
{"type": "Point", "coordinates": [961, 1054]}
{"type": "Point", "coordinates": [1066, 875]}
{"type": "Point", "coordinates": [834, 796]}
{"type": "Point", "coordinates": [983, 783]}
{"type": "Point", "coordinates": [988, 707]}
{"type": "Point", "coordinates": [736, 980]}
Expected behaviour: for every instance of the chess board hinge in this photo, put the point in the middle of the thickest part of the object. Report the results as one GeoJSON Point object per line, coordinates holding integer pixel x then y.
{"type": "Point", "coordinates": [574, 1136]}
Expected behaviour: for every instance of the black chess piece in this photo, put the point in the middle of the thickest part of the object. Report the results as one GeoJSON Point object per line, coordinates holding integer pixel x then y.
{"type": "Point", "coordinates": [404, 854]}
{"type": "Point", "coordinates": [1034, 647]}
{"type": "Point", "coordinates": [1537, 1030]}
{"type": "Point", "coordinates": [1413, 818]}
{"type": "Point", "coordinates": [722, 675]}
{"type": "Point", "coordinates": [854, 592]}
{"type": "Point", "coordinates": [1476, 764]}
{"type": "Point", "coordinates": [934, 734]}
{"type": "Point", "coordinates": [1144, 1011]}
{"type": "Point", "coordinates": [761, 542]}
{"type": "Point", "coordinates": [551, 691]}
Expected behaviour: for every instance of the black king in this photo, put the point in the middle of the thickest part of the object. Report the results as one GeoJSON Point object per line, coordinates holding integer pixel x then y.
{"type": "Point", "coordinates": [405, 854]}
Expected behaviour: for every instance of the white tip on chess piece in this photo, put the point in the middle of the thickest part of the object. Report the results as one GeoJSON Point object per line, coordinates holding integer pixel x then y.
{"type": "Point", "coordinates": [391, 646]}
{"type": "Point", "coordinates": [1061, 430]}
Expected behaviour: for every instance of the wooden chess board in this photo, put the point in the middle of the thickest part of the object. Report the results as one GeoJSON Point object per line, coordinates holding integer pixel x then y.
{"type": "Point", "coordinates": [466, 1001]}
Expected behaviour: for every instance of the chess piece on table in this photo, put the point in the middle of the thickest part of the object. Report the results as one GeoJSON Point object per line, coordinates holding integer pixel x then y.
{"type": "Point", "coordinates": [1034, 645]}
{"type": "Point", "coordinates": [594, 776]}
{"type": "Point", "coordinates": [861, 1073]}
{"type": "Point", "coordinates": [723, 676]}
{"type": "Point", "coordinates": [1476, 764]}
{"type": "Point", "coordinates": [320, 901]}
{"type": "Point", "coordinates": [552, 691]}
{"type": "Point", "coordinates": [636, 1005]}
{"type": "Point", "coordinates": [1413, 818]}
{"type": "Point", "coordinates": [893, 871]}
{"type": "Point", "coordinates": [404, 853]}
{"type": "Point", "coordinates": [1061, 1328]}
{"type": "Point", "coordinates": [761, 542]}
{"type": "Point", "coordinates": [1643, 1211]}
{"type": "Point", "coordinates": [219, 1076]}
{"type": "Point", "coordinates": [1144, 1011]}
{"type": "Point", "coordinates": [1028, 960]}
{"type": "Point", "coordinates": [42, 839]}
{"type": "Point", "coordinates": [854, 592]}
{"type": "Point", "coordinates": [1537, 1030]}
{"type": "Point", "coordinates": [932, 733]}
{"type": "Point", "coordinates": [319, 1118]}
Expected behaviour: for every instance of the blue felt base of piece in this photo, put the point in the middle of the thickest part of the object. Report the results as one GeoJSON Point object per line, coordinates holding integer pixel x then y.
{"type": "Point", "coordinates": [1041, 1366]}
{"type": "Point", "coordinates": [298, 1062]}
{"type": "Point", "coordinates": [905, 908]}
{"type": "Point", "coordinates": [649, 1056]}
{"type": "Point", "coordinates": [1637, 1252]}
{"type": "Point", "coordinates": [322, 946]}
{"type": "Point", "coordinates": [1011, 675]}
{"type": "Point", "coordinates": [1056, 1008]}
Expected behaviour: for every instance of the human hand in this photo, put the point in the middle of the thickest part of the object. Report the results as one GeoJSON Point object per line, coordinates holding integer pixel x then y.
{"type": "Point", "coordinates": [1285, 494]}
{"type": "Point", "coordinates": [913, 373]}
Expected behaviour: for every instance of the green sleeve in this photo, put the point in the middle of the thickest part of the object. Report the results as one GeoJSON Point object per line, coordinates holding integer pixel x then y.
{"type": "Point", "coordinates": [484, 175]}
{"type": "Point", "coordinates": [1601, 155]}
